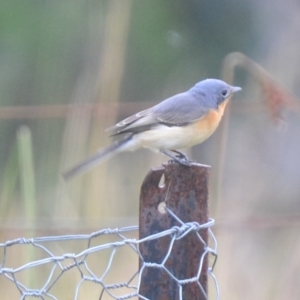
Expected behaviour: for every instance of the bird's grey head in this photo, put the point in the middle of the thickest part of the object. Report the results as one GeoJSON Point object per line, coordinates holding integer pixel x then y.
{"type": "Point", "coordinates": [213, 91]}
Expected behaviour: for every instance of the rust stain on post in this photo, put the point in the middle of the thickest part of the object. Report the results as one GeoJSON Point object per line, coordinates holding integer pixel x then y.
{"type": "Point", "coordinates": [185, 193]}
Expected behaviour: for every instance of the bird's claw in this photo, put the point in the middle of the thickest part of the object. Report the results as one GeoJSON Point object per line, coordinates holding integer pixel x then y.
{"type": "Point", "coordinates": [185, 162]}
{"type": "Point", "coordinates": [179, 158]}
{"type": "Point", "coordinates": [181, 161]}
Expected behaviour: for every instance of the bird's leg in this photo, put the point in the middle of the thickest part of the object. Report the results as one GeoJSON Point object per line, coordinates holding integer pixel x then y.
{"type": "Point", "coordinates": [181, 155]}
{"type": "Point", "coordinates": [181, 158]}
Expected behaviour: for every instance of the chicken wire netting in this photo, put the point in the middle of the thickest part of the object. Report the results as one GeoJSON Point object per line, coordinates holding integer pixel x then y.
{"type": "Point", "coordinates": [101, 265]}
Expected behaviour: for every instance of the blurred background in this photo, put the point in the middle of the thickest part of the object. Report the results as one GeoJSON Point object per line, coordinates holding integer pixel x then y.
{"type": "Point", "coordinates": [71, 69]}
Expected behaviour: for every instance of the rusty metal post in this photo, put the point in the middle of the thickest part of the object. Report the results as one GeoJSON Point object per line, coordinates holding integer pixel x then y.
{"type": "Point", "coordinates": [185, 192]}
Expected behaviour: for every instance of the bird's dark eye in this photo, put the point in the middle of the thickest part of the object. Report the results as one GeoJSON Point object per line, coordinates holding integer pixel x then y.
{"type": "Point", "coordinates": [224, 93]}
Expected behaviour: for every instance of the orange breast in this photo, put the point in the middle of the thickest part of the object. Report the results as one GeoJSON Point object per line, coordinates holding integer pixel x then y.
{"type": "Point", "coordinates": [208, 124]}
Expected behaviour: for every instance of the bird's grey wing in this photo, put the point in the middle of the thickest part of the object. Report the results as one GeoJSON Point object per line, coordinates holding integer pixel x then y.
{"type": "Point", "coordinates": [141, 118]}
{"type": "Point", "coordinates": [178, 110]}
{"type": "Point", "coordinates": [181, 109]}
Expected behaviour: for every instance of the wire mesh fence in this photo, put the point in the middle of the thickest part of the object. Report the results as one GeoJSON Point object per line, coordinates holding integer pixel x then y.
{"type": "Point", "coordinates": [53, 273]}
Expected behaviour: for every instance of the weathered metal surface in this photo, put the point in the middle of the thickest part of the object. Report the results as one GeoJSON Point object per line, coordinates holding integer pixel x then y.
{"type": "Point", "coordinates": [185, 193]}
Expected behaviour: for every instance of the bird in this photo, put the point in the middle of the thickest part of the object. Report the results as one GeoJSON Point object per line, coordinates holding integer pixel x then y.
{"type": "Point", "coordinates": [181, 121]}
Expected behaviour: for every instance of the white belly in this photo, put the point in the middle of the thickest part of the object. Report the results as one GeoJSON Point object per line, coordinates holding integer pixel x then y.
{"type": "Point", "coordinates": [168, 138]}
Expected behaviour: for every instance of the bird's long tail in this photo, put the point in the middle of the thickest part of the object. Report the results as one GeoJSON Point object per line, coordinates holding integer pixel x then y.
{"type": "Point", "coordinates": [98, 157]}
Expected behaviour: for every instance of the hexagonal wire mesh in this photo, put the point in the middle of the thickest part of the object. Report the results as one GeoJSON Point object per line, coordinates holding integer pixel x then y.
{"type": "Point", "coordinates": [100, 264]}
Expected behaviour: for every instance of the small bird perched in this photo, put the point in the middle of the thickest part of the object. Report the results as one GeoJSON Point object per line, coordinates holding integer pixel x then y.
{"type": "Point", "coordinates": [181, 121]}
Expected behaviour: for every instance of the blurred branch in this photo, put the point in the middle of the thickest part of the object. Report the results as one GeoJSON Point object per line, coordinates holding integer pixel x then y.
{"type": "Point", "coordinates": [275, 97]}
{"type": "Point", "coordinates": [260, 222]}
{"type": "Point", "coordinates": [16, 228]}
{"type": "Point", "coordinates": [63, 111]}
{"type": "Point", "coordinates": [95, 110]}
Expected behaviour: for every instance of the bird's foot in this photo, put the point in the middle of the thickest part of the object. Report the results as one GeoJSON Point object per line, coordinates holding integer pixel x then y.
{"type": "Point", "coordinates": [180, 155]}
{"type": "Point", "coordinates": [181, 161]}
{"type": "Point", "coordinates": [180, 158]}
